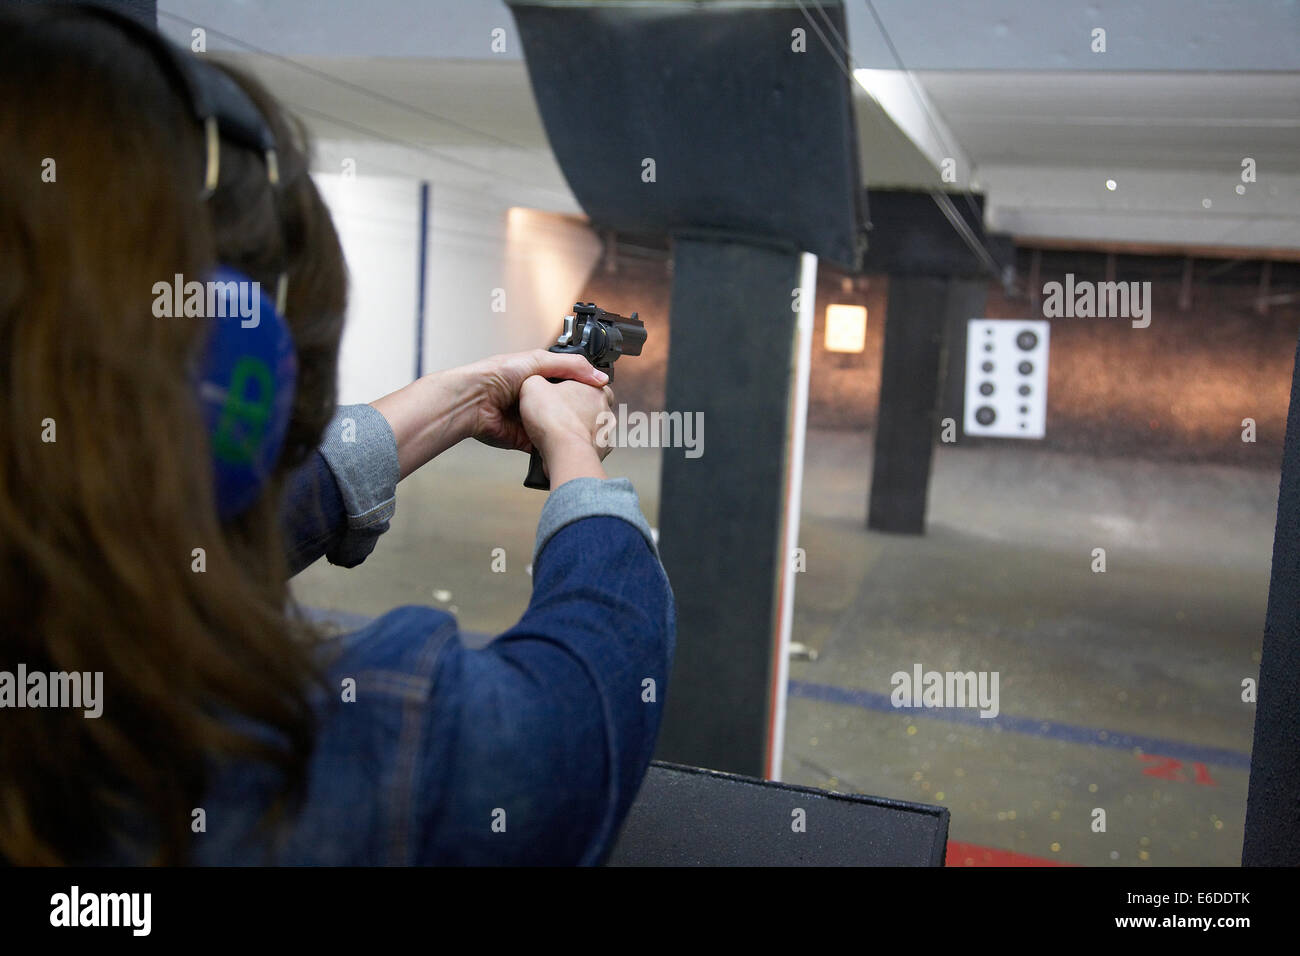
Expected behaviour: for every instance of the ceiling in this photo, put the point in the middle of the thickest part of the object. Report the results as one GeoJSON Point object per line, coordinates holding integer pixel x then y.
{"type": "Point", "coordinates": [1039, 144]}
{"type": "Point", "coordinates": [1129, 120]}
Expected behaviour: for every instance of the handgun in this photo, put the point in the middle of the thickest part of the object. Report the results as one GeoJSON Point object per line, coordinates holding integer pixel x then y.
{"type": "Point", "coordinates": [600, 337]}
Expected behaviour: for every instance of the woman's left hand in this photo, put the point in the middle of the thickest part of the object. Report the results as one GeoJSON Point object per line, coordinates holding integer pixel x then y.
{"type": "Point", "coordinates": [500, 377]}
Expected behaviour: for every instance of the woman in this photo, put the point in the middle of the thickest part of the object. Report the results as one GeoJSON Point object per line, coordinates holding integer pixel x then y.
{"type": "Point", "coordinates": [229, 733]}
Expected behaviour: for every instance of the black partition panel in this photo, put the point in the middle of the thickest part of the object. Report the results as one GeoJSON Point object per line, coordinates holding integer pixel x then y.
{"type": "Point", "coordinates": [682, 116]}
{"type": "Point", "coordinates": [685, 816]}
{"type": "Point", "coordinates": [146, 11]}
{"type": "Point", "coordinates": [1272, 835]}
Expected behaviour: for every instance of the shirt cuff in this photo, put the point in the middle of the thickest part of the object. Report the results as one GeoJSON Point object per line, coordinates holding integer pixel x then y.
{"type": "Point", "coordinates": [361, 452]}
{"type": "Point", "coordinates": [588, 498]}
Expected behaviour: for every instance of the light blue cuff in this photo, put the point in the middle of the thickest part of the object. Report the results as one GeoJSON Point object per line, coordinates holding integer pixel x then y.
{"type": "Point", "coordinates": [588, 498]}
{"type": "Point", "coordinates": [361, 452]}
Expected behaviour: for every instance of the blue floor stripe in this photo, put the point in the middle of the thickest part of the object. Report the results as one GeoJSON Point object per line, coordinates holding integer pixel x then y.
{"type": "Point", "coordinates": [870, 700]}
{"type": "Point", "coordinates": [1070, 733]}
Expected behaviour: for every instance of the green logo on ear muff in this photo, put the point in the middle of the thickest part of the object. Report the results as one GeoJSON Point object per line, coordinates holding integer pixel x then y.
{"type": "Point", "coordinates": [244, 418]}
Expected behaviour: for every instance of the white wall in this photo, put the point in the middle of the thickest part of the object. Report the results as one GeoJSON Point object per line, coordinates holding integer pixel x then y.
{"type": "Point", "coordinates": [378, 224]}
{"type": "Point", "coordinates": [482, 254]}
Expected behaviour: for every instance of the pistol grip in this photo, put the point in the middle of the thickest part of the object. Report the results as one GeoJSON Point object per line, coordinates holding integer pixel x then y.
{"type": "Point", "coordinates": [536, 473]}
{"type": "Point", "coordinates": [536, 477]}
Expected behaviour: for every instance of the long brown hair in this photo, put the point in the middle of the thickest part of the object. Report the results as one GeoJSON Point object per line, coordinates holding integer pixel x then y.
{"type": "Point", "coordinates": [100, 169]}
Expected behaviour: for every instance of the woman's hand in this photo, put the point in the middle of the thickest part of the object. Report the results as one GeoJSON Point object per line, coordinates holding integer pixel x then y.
{"type": "Point", "coordinates": [563, 420]}
{"type": "Point", "coordinates": [479, 400]}
{"type": "Point", "coordinates": [498, 422]}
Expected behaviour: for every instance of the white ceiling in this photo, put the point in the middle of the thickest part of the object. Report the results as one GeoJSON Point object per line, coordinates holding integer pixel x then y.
{"type": "Point", "coordinates": [1040, 144]}
{"type": "Point", "coordinates": [1131, 120]}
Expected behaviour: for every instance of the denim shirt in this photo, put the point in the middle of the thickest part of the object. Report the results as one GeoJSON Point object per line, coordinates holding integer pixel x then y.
{"type": "Point", "coordinates": [527, 751]}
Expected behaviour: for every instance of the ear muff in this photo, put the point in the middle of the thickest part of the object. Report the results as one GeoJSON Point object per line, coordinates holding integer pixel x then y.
{"type": "Point", "coordinates": [248, 373]}
{"type": "Point", "coordinates": [245, 387]}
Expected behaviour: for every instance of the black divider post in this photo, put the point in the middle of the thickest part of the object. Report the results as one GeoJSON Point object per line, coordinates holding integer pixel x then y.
{"type": "Point", "coordinates": [720, 522]}
{"type": "Point", "coordinates": [921, 310]}
{"type": "Point", "coordinates": [728, 127]}
{"type": "Point", "coordinates": [936, 282]}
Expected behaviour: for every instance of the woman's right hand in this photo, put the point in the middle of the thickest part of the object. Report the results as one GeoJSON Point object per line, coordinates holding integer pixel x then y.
{"type": "Point", "coordinates": [562, 420]}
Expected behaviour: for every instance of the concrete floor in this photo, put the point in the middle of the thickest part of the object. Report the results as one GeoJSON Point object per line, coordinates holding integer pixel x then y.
{"type": "Point", "coordinates": [1119, 691]}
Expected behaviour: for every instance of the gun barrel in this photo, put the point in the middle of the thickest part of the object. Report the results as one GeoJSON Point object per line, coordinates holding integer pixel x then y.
{"type": "Point", "coordinates": [632, 335]}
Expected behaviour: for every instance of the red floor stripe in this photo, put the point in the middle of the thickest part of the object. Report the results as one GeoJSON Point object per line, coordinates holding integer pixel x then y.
{"type": "Point", "coordinates": [971, 854]}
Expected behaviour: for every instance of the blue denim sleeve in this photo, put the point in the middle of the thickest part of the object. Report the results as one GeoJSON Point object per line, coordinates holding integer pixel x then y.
{"type": "Point", "coordinates": [311, 515]}
{"type": "Point", "coordinates": [527, 751]}
{"type": "Point", "coordinates": [537, 744]}
{"type": "Point", "coordinates": [342, 499]}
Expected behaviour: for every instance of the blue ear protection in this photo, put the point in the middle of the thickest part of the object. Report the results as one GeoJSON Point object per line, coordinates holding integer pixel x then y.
{"type": "Point", "coordinates": [245, 388]}
{"type": "Point", "coordinates": [247, 375]}
{"type": "Point", "coordinates": [249, 370]}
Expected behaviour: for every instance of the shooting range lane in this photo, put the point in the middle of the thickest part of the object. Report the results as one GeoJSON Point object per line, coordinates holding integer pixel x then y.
{"type": "Point", "coordinates": [1120, 692]}
{"type": "Point", "coordinates": [1155, 652]}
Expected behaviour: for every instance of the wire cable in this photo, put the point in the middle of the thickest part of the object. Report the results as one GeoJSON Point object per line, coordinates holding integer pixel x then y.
{"type": "Point", "coordinates": [844, 59]}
